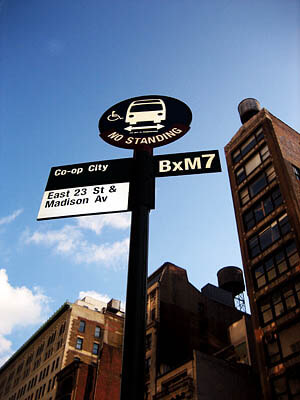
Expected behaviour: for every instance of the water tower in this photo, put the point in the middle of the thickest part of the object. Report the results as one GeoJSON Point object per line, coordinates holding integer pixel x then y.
{"type": "Point", "coordinates": [248, 108]}
{"type": "Point", "coordinates": [231, 279]}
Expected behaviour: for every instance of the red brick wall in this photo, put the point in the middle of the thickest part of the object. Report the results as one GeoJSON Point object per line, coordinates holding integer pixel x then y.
{"type": "Point", "coordinates": [109, 374]}
{"type": "Point", "coordinates": [77, 381]}
{"type": "Point", "coordinates": [81, 382]}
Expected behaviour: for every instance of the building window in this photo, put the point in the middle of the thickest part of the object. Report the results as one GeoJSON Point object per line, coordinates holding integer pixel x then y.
{"type": "Point", "coordinates": [279, 303]}
{"type": "Point", "coordinates": [36, 363]}
{"type": "Point", "coordinates": [148, 341]}
{"type": "Point", "coordinates": [297, 289]}
{"type": "Point", "coordinates": [20, 367]}
{"type": "Point", "coordinates": [11, 375]}
{"type": "Point", "coordinates": [277, 264]}
{"type": "Point", "coordinates": [147, 365]}
{"type": "Point", "coordinates": [294, 384]}
{"type": "Point", "coordinates": [283, 345]}
{"type": "Point", "coordinates": [261, 209]}
{"type": "Point", "coordinates": [147, 394]}
{"type": "Point", "coordinates": [256, 160]}
{"type": "Point", "coordinates": [269, 235]}
{"type": "Point", "coordinates": [152, 295]}
{"type": "Point", "coordinates": [153, 314]}
{"type": "Point", "coordinates": [296, 172]}
{"type": "Point", "coordinates": [43, 390]}
{"type": "Point", "coordinates": [59, 344]}
{"type": "Point", "coordinates": [48, 353]}
{"type": "Point", "coordinates": [26, 373]}
{"type": "Point", "coordinates": [79, 343]}
{"type": "Point", "coordinates": [39, 350]}
{"type": "Point", "coordinates": [53, 365]}
{"type": "Point", "coordinates": [257, 185]}
{"type": "Point", "coordinates": [273, 350]}
{"type": "Point", "coordinates": [97, 331]}
{"type": "Point", "coordinates": [280, 388]}
{"type": "Point", "coordinates": [244, 149]}
{"type": "Point", "coordinates": [288, 384]}
{"type": "Point", "coordinates": [62, 328]}
{"type": "Point", "coordinates": [169, 384]}
{"type": "Point", "coordinates": [16, 381]}
{"type": "Point", "coordinates": [29, 359]}
{"type": "Point", "coordinates": [81, 326]}
{"type": "Point", "coordinates": [95, 348]}
{"type": "Point", "coordinates": [51, 339]}
{"type": "Point", "coordinates": [290, 341]}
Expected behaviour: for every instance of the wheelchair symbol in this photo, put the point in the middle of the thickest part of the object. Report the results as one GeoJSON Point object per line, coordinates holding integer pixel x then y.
{"type": "Point", "coordinates": [114, 117]}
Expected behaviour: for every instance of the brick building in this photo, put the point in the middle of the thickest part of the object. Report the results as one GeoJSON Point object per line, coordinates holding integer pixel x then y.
{"type": "Point", "coordinates": [263, 160]}
{"type": "Point", "coordinates": [76, 339]}
{"type": "Point", "coordinates": [198, 345]}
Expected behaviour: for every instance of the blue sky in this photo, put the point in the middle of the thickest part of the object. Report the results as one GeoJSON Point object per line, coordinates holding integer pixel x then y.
{"type": "Point", "coordinates": [63, 64]}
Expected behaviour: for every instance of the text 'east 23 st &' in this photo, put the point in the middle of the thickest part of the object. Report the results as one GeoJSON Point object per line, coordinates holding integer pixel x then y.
{"type": "Point", "coordinates": [78, 196]}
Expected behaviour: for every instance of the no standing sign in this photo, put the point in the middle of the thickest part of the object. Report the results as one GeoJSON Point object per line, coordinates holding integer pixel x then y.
{"type": "Point", "coordinates": [146, 120]}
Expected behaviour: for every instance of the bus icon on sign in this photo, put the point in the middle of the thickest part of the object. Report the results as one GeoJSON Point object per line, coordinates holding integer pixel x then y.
{"type": "Point", "coordinates": [148, 110]}
{"type": "Point", "coordinates": [152, 120]}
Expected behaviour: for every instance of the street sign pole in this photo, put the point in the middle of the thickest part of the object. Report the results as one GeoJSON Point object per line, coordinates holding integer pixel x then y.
{"type": "Point", "coordinates": [140, 123]}
{"type": "Point", "coordinates": [141, 201]}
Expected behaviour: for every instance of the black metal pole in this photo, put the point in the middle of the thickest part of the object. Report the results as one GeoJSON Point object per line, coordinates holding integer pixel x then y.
{"type": "Point", "coordinates": [142, 200]}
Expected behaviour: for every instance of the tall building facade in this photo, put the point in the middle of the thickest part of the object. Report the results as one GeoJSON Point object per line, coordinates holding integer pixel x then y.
{"type": "Point", "coordinates": [77, 338]}
{"type": "Point", "coordinates": [263, 160]}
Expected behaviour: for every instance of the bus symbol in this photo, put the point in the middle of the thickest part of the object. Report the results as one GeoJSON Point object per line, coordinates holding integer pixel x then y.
{"type": "Point", "coordinates": [148, 110]}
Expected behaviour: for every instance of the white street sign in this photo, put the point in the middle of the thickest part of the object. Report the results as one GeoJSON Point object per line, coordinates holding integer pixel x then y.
{"type": "Point", "coordinates": [85, 200]}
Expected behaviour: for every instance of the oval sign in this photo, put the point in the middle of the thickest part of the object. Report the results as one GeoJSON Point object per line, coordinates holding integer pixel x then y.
{"type": "Point", "coordinates": [151, 120]}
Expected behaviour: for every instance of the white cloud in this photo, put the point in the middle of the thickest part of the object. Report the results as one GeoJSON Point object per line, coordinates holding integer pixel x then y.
{"type": "Point", "coordinates": [105, 253]}
{"type": "Point", "coordinates": [19, 306]}
{"type": "Point", "coordinates": [70, 241]}
{"type": "Point", "coordinates": [64, 240]}
{"type": "Point", "coordinates": [11, 217]}
{"type": "Point", "coordinates": [5, 345]}
{"type": "Point", "coordinates": [97, 222]}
